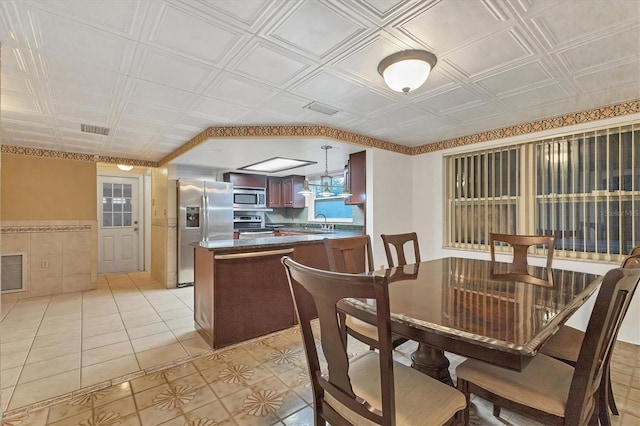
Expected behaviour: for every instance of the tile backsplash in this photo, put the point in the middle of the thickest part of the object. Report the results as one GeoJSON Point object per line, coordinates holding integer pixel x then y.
{"type": "Point", "coordinates": [300, 216]}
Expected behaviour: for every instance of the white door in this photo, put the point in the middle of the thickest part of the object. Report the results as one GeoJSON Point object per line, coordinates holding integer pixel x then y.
{"type": "Point", "coordinates": [118, 224]}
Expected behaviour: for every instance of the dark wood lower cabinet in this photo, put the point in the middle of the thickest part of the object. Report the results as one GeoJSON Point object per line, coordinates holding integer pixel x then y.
{"type": "Point", "coordinates": [243, 295]}
{"type": "Point", "coordinates": [252, 297]}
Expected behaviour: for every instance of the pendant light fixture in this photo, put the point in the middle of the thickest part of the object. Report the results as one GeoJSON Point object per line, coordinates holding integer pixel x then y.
{"type": "Point", "coordinates": [305, 189]}
{"type": "Point", "coordinates": [326, 180]}
{"type": "Point", "coordinates": [407, 70]}
{"type": "Point", "coordinates": [326, 192]}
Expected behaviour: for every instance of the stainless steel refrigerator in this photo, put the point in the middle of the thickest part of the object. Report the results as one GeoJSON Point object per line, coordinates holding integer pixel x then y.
{"type": "Point", "coordinates": [205, 212]}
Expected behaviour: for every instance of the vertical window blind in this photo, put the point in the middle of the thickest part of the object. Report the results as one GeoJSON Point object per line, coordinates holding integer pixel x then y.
{"type": "Point", "coordinates": [482, 194]}
{"type": "Point", "coordinates": [582, 188]}
{"type": "Point", "coordinates": [588, 190]}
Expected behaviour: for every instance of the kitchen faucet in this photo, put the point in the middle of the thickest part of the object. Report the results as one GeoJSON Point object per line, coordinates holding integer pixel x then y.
{"type": "Point", "coordinates": [326, 225]}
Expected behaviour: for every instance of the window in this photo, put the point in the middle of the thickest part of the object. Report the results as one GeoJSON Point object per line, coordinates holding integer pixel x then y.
{"type": "Point", "coordinates": [332, 206]}
{"type": "Point", "coordinates": [583, 188]}
{"type": "Point", "coordinates": [588, 190]}
{"type": "Point", "coordinates": [482, 194]}
{"type": "Point", "coordinates": [116, 205]}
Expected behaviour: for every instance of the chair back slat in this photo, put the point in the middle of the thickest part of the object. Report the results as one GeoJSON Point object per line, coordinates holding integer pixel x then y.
{"type": "Point", "coordinates": [327, 289]}
{"type": "Point", "coordinates": [521, 244]}
{"type": "Point", "coordinates": [398, 241]}
{"type": "Point", "coordinates": [351, 255]}
{"type": "Point", "coordinates": [612, 303]}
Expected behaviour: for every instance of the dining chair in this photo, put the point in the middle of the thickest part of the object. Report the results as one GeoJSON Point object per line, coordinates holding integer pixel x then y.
{"type": "Point", "coordinates": [548, 389]}
{"type": "Point", "coordinates": [353, 255]}
{"type": "Point", "coordinates": [371, 388]}
{"type": "Point", "coordinates": [565, 345]}
{"type": "Point", "coordinates": [635, 250]}
{"type": "Point", "coordinates": [521, 244]}
{"type": "Point", "coordinates": [398, 241]}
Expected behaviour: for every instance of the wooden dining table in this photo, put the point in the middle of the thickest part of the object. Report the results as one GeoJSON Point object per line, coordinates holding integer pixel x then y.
{"type": "Point", "coordinates": [477, 308]}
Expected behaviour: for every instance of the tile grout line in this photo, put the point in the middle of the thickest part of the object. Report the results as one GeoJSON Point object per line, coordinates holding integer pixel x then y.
{"type": "Point", "coordinates": [24, 363]}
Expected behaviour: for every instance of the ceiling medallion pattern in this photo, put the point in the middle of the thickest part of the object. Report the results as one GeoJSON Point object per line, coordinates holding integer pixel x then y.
{"type": "Point", "coordinates": [601, 113]}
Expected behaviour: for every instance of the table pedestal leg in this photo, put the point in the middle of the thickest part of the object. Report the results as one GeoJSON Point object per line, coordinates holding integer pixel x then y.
{"type": "Point", "coordinates": [432, 362]}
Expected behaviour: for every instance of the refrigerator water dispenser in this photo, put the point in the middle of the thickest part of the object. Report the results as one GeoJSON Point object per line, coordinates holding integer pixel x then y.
{"type": "Point", "coordinates": [193, 217]}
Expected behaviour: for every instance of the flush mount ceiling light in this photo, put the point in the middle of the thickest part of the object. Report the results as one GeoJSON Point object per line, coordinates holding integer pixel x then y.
{"type": "Point", "coordinates": [276, 164]}
{"type": "Point", "coordinates": [407, 70]}
{"type": "Point", "coordinates": [125, 167]}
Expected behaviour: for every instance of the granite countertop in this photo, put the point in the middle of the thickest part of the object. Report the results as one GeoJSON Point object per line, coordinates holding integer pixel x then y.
{"type": "Point", "coordinates": [272, 242]}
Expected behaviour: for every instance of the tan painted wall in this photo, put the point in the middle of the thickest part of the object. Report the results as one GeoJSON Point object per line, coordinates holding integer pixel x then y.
{"type": "Point", "coordinates": [36, 188]}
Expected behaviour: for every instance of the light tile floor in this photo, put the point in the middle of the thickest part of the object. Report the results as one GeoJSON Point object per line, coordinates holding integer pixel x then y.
{"type": "Point", "coordinates": [58, 344]}
{"type": "Point", "coordinates": [259, 382]}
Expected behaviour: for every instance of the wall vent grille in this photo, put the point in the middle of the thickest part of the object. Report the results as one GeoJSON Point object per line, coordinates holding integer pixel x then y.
{"type": "Point", "coordinates": [12, 272]}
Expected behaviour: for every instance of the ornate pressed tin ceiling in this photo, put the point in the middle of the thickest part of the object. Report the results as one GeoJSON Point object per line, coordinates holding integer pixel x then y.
{"type": "Point", "coordinates": [159, 72]}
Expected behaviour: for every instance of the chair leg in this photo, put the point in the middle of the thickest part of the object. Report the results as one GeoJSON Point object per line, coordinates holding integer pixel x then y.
{"type": "Point", "coordinates": [463, 386]}
{"type": "Point", "coordinates": [496, 410]}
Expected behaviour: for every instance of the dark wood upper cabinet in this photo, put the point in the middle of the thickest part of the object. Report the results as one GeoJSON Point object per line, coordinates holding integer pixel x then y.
{"type": "Point", "coordinates": [274, 192]}
{"type": "Point", "coordinates": [291, 185]}
{"type": "Point", "coordinates": [356, 178]}
{"type": "Point", "coordinates": [283, 191]}
{"type": "Point", "coordinates": [245, 180]}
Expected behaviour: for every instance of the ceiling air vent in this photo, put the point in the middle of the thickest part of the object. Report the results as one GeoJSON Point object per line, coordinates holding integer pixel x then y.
{"type": "Point", "coordinates": [88, 128]}
{"type": "Point", "coordinates": [318, 107]}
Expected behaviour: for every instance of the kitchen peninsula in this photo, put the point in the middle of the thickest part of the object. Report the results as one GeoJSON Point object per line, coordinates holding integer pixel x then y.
{"type": "Point", "coordinates": [240, 287]}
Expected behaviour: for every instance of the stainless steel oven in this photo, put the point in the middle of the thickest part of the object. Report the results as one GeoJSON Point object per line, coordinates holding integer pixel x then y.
{"type": "Point", "coordinates": [248, 220]}
{"type": "Point", "coordinates": [247, 199]}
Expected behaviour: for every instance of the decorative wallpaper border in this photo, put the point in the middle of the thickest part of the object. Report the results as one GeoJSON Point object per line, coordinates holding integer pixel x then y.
{"type": "Point", "coordinates": [61, 155]}
{"type": "Point", "coordinates": [227, 132]}
{"type": "Point", "coordinates": [230, 132]}
{"type": "Point", "coordinates": [51, 228]}
{"type": "Point", "coordinates": [587, 116]}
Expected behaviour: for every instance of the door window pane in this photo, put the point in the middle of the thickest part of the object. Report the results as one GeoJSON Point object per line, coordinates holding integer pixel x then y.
{"type": "Point", "coordinates": [107, 190]}
{"type": "Point", "coordinates": [116, 205]}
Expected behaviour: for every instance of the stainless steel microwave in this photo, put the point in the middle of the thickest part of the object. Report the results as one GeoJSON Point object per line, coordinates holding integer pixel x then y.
{"type": "Point", "coordinates": [249, 199]}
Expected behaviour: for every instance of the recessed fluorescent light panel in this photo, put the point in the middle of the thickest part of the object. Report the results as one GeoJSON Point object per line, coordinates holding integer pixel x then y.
{"type": "Point", "coordinates": [276, 164]}
{"type": "Point", "coordinates": [324, 109]}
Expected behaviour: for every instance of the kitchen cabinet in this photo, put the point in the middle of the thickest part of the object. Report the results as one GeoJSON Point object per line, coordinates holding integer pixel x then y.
{"type": "Point", "coordinates": [283, 191]}
{"type": "Point", "coordinates": [356, 178]}
{"type": "Point", "coordinates": [243, 293]}
{"type": "Point", "coordinates": [253, 297]}
{"type": "Point", "coordinates": [245, 180]}
{"type": "Point", "coordinates": [274, 192]}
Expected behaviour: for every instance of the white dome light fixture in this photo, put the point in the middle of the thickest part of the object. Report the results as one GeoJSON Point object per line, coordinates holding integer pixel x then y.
{"type": "Point", "coordinates": [125, 167]}
{"type": "Point", "coordinates": [407, 70]}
